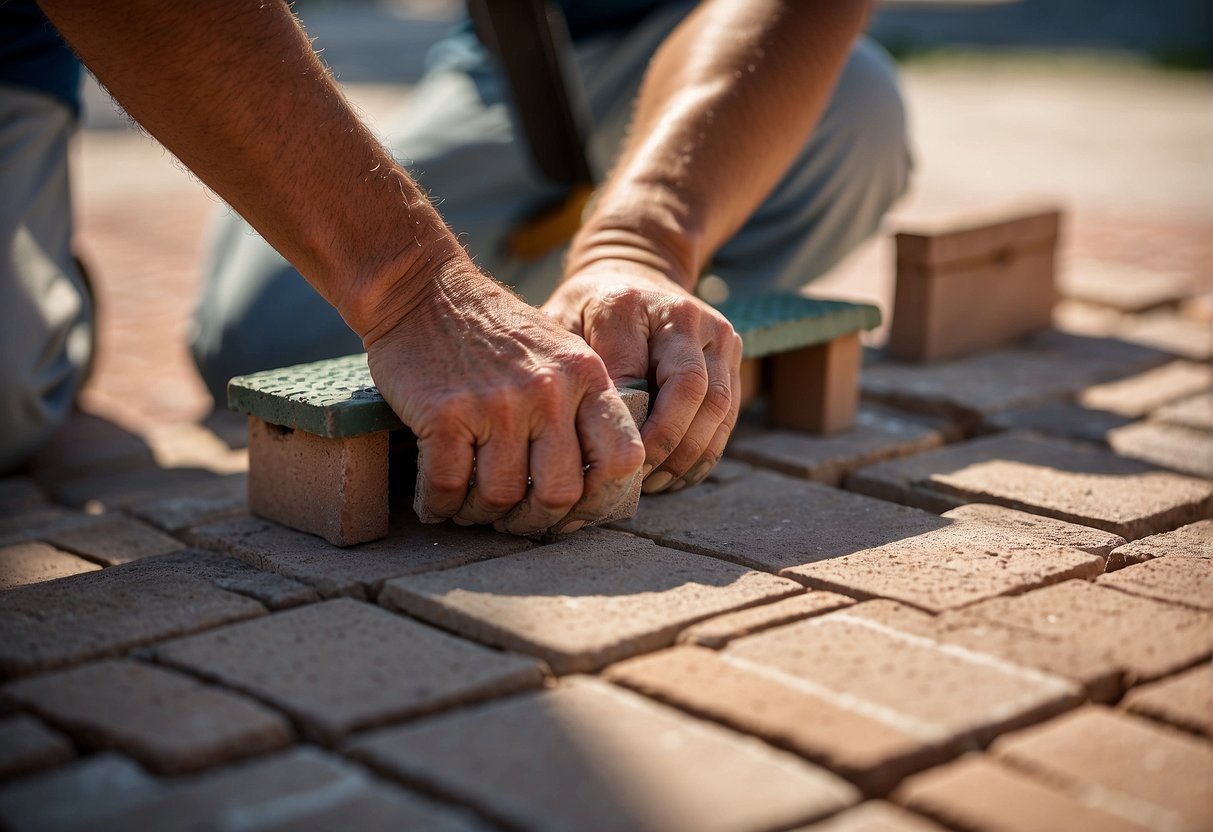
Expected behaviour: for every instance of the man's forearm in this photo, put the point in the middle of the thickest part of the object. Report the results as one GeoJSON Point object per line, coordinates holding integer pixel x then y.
{"type": "Point", "coordinates": [727, 103]}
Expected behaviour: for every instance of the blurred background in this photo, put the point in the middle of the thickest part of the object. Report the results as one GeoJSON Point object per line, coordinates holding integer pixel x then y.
{"type": "Point", "coordinates": [1105, 106]}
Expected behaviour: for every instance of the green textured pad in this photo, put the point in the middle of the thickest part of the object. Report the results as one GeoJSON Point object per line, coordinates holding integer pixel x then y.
{"type": "Point", "coordinates": [778, 322]}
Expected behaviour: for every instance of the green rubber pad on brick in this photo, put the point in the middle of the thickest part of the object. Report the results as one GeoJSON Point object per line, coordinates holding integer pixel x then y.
{"type": "Point", "coordinates": [781, 321]}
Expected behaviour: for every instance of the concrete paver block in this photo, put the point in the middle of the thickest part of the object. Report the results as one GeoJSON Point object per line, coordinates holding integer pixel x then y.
{"type": "Point", "coordinates": [1123, 287]}
{"type": "Point", "coordinates": [582, 603]}
{"type": "Point", "coordinates": [166, 720]}
{"type": "Point", "coordinates": [589, 755]}
{"type": "Point", "coordinates": [719, 631]}
{"type": "Point", "coordinates": [195, 505]}
{"type": "Point", "coordinates": [29, 563]}
{"type": "Point", "coordinates": [760, 520]}
{"type": "Point", "coordinates": [114, 539]}
{"type": "Point", "coordinates": [1141, 394]}
{"type": "Point", "coordinates": [27, 745]}
{"type": "Point", "coordinates": [1180, 449]}
{"type": "Point", "coordinates": [1192, 541]}
{"type": "Point", "coordinates": [1059, 532]}
{"type": "Point", "coordinates": [355, 571]}
{"type": "Point", "coordinates": [1187, 581]}
{"type": "Point", "coordinates": [1152, 773]}
{"type": "Point", "coordinates": [1184, 700]}
{"type": "Point", "coordinates": [978, 794]}
{"type": "Point", "coordinates": [119, 490]}
{"type": "Point", "coordinates": [84, 794]}
{"type": "Point", "coordinates": [343, 665]}
{"type": "Point", "coordinates": [874, 816]}
{"type": "Point", "coordinates": [1066, 420]}
{"type": "Point", "coordinates": [1195, 412]}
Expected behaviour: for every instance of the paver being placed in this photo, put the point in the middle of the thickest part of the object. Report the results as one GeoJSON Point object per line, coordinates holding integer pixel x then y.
{"type": "Point", "coordinates": [951, 567]}
{"type": "Point", "coordinates": [1124, 287]}
{"type": "Point", "coordinates": [84, 795]}
{"type": "Point", "coordinates": [165, 720]}
{"type": "Point", "coordinates": [1180, 449]}
{"type": "Point", "coordinates": [719, 631]}
{"type": "Point", "coordinates": [27, 745]}
{"type": "Point", "coordinates": [1195, 412]}
{"type": "Point", "coordinates": [105, 613]}
{"type": "Point", "coordinates": [30, 563]}
{"type": "Point", "coordinates": [1064, 419]}
{"type": "Point", "coordinates": [1184, 700]}
{"type": "Point", "coordinates": [1152, 773]}
{"type": "Point", "coordinates": [355, 571]}
{"type": "Point", "coordinates": [115, 539]}
{"type": "Point", "coordinates": [874, 816]}
{"type": "Point", "coordinates": [980, 795]}
{"type": "Point", "coordinates": [343, 665]}
{"type": "Point", "coordinates": [584, 602]}
{"type": "Point", "coordinates": [1192, 541]}
{"type": "Point", "coordinates": [1059, 532]}
{"type": "Point", "coordinates": [763, 520]}
{"type": "Point", "coordinates": [591, 756]}
{"type": "Point", "coordinates": [1187, 581]}
{"type": "Point", "coordinates": [1139, 395]}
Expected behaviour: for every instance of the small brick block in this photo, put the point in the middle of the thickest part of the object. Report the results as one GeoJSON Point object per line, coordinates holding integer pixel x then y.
{"type": "Point", "coordinates": [978, 235]}
{"type": "Point", "coordinates": [1192, 541]}
{"type": "Point", "coordinates": [1186, 581]}
{"type": "Point", "coordinates": [980, 795]}
{"type": "Point", "coordinates": [167, 721]}
{"type": "Point", "coordinates": [114, 539]}
{"type": "Point", "coordinates": [582, 603]}
{"type": "Point", "coordinates": [30, 563]}
{"type": "Point", "coordinates": [719, 631]}
{"type": "Point", "coordinates": [27, 745]}
{"type": "Point", "coordinates": [591, 756]}
{"type": "Point", "coordinates": [759, 520]}
{"type": "Point", "coordinates": [1057, 532]}
{"type": "Point", "coordinates": [342, 666]}
{"type": "Point", "coordinates": [1194, 412]}
{"type": "Point", "coordinates": [336, 488]}
{"type": "Point", "coordinates": [1141, 394]}
{"type": "Point", "coordinates": [84, 794]}
{"type": "Point", "coordinates": [1184, 700]}
{"type": "Point", "coordinates": [1180, 449]}
{"type": "Point", "coordinates": [874, 816]}
{"type": "Point", "coordinates": [816, 389]}
{"type": "Point", "coordinates": [1150, 772]}
{"type": "Point", "coordinates": [1123, 287]}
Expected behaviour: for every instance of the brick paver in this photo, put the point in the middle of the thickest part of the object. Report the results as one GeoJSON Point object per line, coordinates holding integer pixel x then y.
{"type": "Point", "coordinates": [30, 563]}
{"type": "Point", "coordinates": [1139, 395]}
{"type": "Point", "coordinates": [760, 520]}
{"type": "Point", "coordinates": [1173, 334]}
{"type": "Point", "coordinates": [78, 795]}
{"type": "Point", "coordinates": [355, 571]}
{"type": "Point", "coordinates": [114, 540]}
{"type": "Point", "coordinates": [344, 665]}
{"type": "Point", "coordinates": [1187, 581]}
{"type": "Point", "coordinates": [874, 816]}
{"type": "Point", "coordinates": [1125, 288]}
{"type": "Point", "coordinates": [717, 632]}
{"type": "Point", "coordinates": [1192, 541]}
{"type": "Point", "coordinates": [1066, 420]}
{"type": "Point", "coordinates": [195, 504]}
{"type": "Point", "coordinates": [1156, 775]}
{"type": "Point", "coordinates": [113, 490]}
{"type": "Point", "coordinates": [1059, 532]}
{"type": "Point", "coordinates": [1195, 412]}
{"type": "Point", "coordinates": [1169, 446]}
{"type": "Point", "coordinates": [27, 745]}
{"type": "Point", "coordinates": [589, 755]}
{"type": "Point", "coordinates": [166, 720]}
{"type": "Point", "coordinates": [1184, 700]}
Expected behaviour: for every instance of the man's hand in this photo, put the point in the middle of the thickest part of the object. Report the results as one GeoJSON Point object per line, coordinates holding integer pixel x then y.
{"type": "Point", "coordinates": [517, 421]}
{"type": "Point", "coordinates": [643, 325]}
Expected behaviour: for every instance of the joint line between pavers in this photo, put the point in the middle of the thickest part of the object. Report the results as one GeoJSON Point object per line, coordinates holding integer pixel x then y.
{"type": "Point", "coordinates": [918, 728]}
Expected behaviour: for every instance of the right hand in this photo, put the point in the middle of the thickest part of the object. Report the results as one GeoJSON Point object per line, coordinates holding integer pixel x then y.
{"type": "Point", "coordinates": [497, 392]}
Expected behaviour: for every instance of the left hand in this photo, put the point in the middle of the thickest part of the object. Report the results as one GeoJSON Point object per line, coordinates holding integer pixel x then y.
{"type": "Point", "coordinates": [644, 325]}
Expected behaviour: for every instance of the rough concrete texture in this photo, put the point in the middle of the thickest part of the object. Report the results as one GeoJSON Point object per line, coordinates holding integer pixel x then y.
{"type": "Point", "coordinates": [1186, 581]}
{"type": "Point", "coordinates": [950, 567]}
{"type": "Point", "coordinates": [760, 520]}
{"type": "Point", "coordinates": [1195, 412]}
{"type": "Point", "coordinates": [196, 505]}
{"type": "Point", "coordinates": [1148, 772]}
{"type": "Point", "coordinates": [344, 665]}
{"type": "Point", "coordinates": [536, 762]}
{"type": "Point", "coordinates": [166, 720]}
{"type": "Point", "coordinates": [1180, 449]}
{"type": "Point", "coordinates": [79, 795]}
{"type": "Point", "coordinates": [31, 563]}
{"type": "Point", "coordinates": [879, 433]}
{"type": "Point", "coordinates": [582, 603]}
{"type": "Point", "coordinates": [874, 816]}
{"type": "Point", "coordinates": [114, 539]}
{"type": "Point", "coordinates": [1184, 700]}
{"type": "Point", "coordinates": [1123, 287]}
{"type": "Point", "coordinates": [1139, 395]}
{"type": "Point", "coordinates": [27, 745]}
{"type": "Point", "coordinates": [978, 794]}
{"type": "Point", "coordinates": [355, 571]}
{"type": "Point", "coordinates": [1063, 419]}
{"type": "Point", "coordinates": [1018, 523]}
{"type": "Point", "coordinates": [1192, 541]}
{"type": "Point", "coordinates": [719, 631]}
{"type": "Point", "coordinates": [124, 607]}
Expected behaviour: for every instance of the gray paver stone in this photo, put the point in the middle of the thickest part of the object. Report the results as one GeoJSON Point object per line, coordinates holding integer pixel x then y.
{"type": "Point", "coordinates": [1062, 419]}
{"type": "Point", "coordinates": [115, 539]}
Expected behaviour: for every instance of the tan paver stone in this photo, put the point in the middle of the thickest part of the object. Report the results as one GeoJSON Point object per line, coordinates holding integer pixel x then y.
{"type": "Point", "coordinates": [168, 721]}
{"type": "Point", "coordinates": [1122, 286]}
{"type": "Point", "coordinates": [1184, 700]}
{"type": "Point", "coordinates": [105, 613]}
{"type": "Point", "coordinates": [1195, 412]}
{"type": "Point", "coordinates": [1180, 449]}
{"type": "Point", "coordinates": [1143, 393]}
{"type": "Point", "coordinates": [1063, 419]}
{"type": "Point", "coordinates": [27, 745]}
{"type": "Point", "coordinates": [81, 795]}
{"type": "Point", "coordinates": [354, 571]}
{"type": "Point", "coordinates": [879, 433]}
{"type": "Point", "coordinates": [1151, 773]}
{"type": "Point", "coordinates": [980, 795]}
{"type": "Point", "coordinates": [591, 756]}
{"type": "Point", "coordinates": [719, 631]}
{"type": "Point", "coordinates": [30, 563]}
{"type": "Point", "coordinates": [874, 816]}
{"type": "Point", "coordinates": [195, 505]}
{"type": "Point", "coordinates": [115, 539]}
{"type": "Point", "coordinates": [582, 603]}
{"type": "Point", "coordinates": [1187, 581]}
{"type": "Point", "coordinates": [1059, 532]}
{"type": "Point", "coordinates": [344, 665]}
{"type": "Point", "coordinates": [1172, 333]}
{"type": "Point", "coordinates": [1192, 541]}
{"type": "Point", "coordinates": [771, 521]}
{"type": "Point", "coordinates": [951, 567]}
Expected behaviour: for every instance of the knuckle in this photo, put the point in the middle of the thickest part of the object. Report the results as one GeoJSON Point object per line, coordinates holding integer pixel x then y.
{"type": "Point", "coordinates": [718, 401]}
{"type": "Point", "coordinates": [446, 481]}
{"type": "Point", "coordinates": [499, 497]}
{"type": "Point", "coordinates": [557, 495]}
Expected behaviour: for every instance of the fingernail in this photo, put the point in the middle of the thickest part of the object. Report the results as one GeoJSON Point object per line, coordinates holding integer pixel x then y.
{"type": "Point", "coordinates": [657, 482]}
{"type": "Point", "coordinates": [569, 528]}
{"type": "Point", "coordinates": [677, 486]}
{"type": "Point", "coordinates": [645, 471]}
{"type": "Point", "coordinates": [459, 521]}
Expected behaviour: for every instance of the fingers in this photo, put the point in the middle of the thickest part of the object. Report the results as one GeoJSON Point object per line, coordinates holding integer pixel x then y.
{"type": "Point", "coordinates": [556, 474]}
{"type": "Point", "coordinates": [444, 463]}
{"type": "Point", "coordinates": [499, 480]}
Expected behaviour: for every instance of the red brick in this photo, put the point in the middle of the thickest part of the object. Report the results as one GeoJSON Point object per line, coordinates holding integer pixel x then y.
{"type": "Point", "coordinates": [1150, 773]}
{"type": "Point", "coordinates": [114, 539]}
{"type": "Point", "coordinates": [1191, 541]}
{"type": "Point", "coordinates": [1184, 700]}
{"type": "Point", "coordinates": [1058, 532]}
{"type": "Point", "coordinates": [342, 666]}
{"type": "Point", "coordinates": [27, 745]}
{"type": "Point", "coordinates": [1187, 581]}
{"type": "Point", "coordinates": [31, 563]}
{"type": "Point", "coordinates": [166, 720]}
{"type": "Point", "coordinates": [1124, 287]}
{"type": "Point", "coordinates": [1195, 412]}
{"type": "Point", "coordinates": [1141, 394]}
{"type": "Point", "coordinates": [83, 794]}
{"type": "Point", "coordinates": [717, 632]}
{"type": "Point", "coordinates": [591, 756]}
{"type": "Point", "coordinates": [874, 816]}
{"type": "Point", "coordinates": [1180, 449]}
{"type": "Point", "coordinates": [978, 795]}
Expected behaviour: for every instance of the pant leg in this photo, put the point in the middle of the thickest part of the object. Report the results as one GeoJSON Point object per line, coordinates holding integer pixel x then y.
{"type": "Point", "coordinates": [46, 317]}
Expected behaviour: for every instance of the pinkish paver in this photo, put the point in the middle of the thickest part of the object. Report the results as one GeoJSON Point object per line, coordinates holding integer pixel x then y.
{"type": "Point", "coordinates": [1174, 334]}
{"type": "Point", "coordinates": [27, 745]}
{"type": "Point", "coordinates": [1152, 773]}
{"type": "Point", "coordinates": [1184, 700]}
{"type": "Point", "coordinates": [588, 755]}
{"type": "Point", "coordinates": [1121, 286]}
{"type": "Point", "coordinates": [30, 563]}
{"type": "Point", "coordinates": [1195, 412]}
{"type": "Point", "coordinates": [1187, 581]}
{"type": "Point", "coordinates": [1180, 449]}
{"type": "Point", "coordinates": [585, 601]}
{"type": "Point", "coordinates": [115, 539]}
{"type": "Point", "coordinates": [1192, 541]}
{"type": "Point", "coordinates": [166, 720]}
{"type": "Point", "coordinates": [1058, 532]}
{"type": "Point", "coordinates": [719, 631]}
{"type": "Point", "coordinates": [874, 816]}
{"type": "Point", "coordinates": [344, 665]}
{"type": "Point", "coordinates": [1139, 395]}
